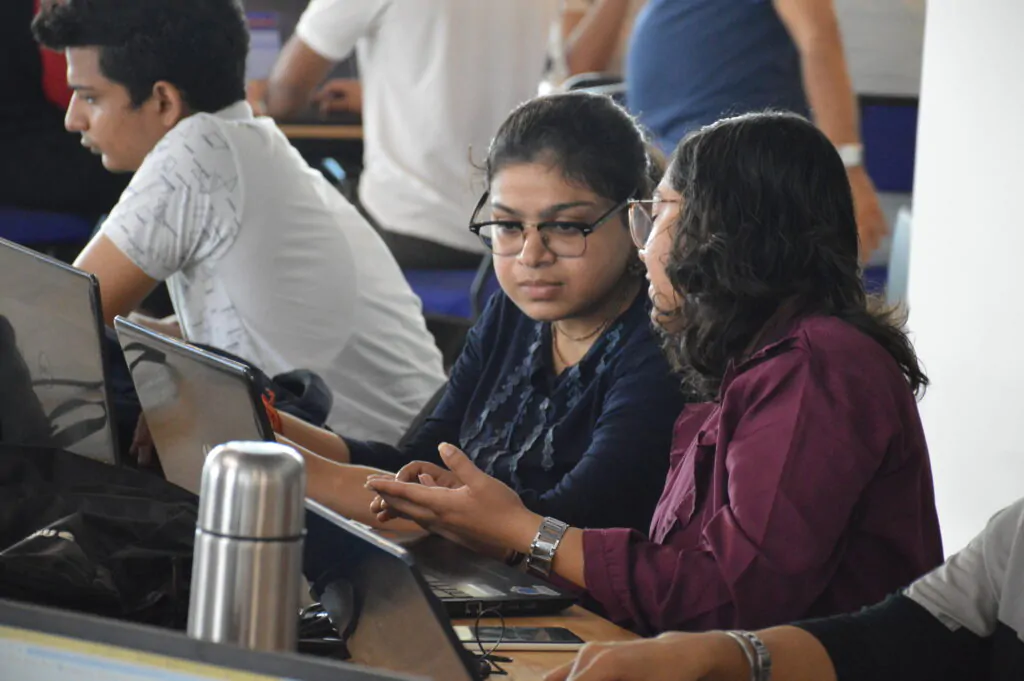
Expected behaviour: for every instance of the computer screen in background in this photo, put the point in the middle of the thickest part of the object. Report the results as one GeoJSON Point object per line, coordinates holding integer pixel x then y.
{"type": "Point", "coordinates": [264, 44]}
{"type": "Point", "coordinates": [271, 24]}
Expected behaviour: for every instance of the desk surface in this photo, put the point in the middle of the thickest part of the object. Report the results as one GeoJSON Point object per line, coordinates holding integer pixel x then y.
{"type": "Point", "coordinates": [532, 666]}
{"type": "Point", "coordinates": [326, 131]}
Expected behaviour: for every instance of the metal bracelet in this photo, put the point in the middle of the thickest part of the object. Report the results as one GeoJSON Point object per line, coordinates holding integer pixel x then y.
{"type": "Point", "coordinates": [761, 653]}
{"type": "Point", "coordinates": [748, 651]}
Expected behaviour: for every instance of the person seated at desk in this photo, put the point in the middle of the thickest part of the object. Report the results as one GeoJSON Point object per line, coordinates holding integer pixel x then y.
{"type": "Point", "coordinates": [803, 487]}
{"type": "Point", "coordinates": [42, 167]}
{"type": "Point", "coordinates": [263, 258]}
{"type": "Point", "coordinates": [437, 78]}
{"type": "Point", "coordinates": [562, 391]}
{"type": "Point", "coordinates": [964, 620]}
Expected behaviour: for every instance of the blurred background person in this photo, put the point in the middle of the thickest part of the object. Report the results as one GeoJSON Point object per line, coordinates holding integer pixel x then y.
{"type": "Point", "coordinates": [437, 78]}
{"type": "Point", "coordinates": [690, 62]}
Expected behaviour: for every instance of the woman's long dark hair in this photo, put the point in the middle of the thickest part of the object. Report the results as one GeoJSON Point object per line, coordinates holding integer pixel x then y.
{"type": "Point", "coordinates": [767, 233]}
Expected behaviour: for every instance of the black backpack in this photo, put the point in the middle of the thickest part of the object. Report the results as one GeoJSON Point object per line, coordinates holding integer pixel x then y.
{"type": "Point", "coordinates": [82, 535]}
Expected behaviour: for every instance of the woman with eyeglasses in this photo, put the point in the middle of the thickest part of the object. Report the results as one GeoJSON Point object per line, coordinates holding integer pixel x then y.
{"type": "Point", "coordinates": [802, 487]}
{"type": "Point", "coordinates": [562, 392]}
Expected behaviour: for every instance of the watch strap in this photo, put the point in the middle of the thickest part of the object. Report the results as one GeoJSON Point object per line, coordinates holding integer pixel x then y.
{"type": "Point", "coordinates": [544, 546]}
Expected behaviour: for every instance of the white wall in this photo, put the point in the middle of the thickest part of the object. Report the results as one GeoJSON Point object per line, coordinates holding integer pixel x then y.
{"type": "Point", "coordinates": [966, 285]}
{"type": "Point", "coordinates": [883, 44]}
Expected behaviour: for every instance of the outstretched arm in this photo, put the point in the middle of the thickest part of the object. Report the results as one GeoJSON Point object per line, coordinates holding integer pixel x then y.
{"type": "Point", "coordinates": [796, 656]}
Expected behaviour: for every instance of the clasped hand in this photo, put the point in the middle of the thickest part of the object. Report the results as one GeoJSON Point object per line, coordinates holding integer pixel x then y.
{"type": "Point", "coordinates": [460, 502]}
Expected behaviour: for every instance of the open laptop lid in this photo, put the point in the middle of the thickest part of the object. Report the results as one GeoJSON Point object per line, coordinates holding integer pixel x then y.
{"type": "Point", "coordinates": [193, 400]}
{"type": "Point", "coordinates": [398, 624]}
{"type": "Point", "coordinates": [53, 389]}
{"type": "Point", "coordinates": [46, 644]}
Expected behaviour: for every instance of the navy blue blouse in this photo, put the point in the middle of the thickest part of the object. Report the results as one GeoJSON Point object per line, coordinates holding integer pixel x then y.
{"type": "Point", "coordinates": [589, 446]}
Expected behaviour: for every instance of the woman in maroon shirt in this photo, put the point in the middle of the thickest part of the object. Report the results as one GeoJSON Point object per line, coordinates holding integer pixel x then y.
{"type": "Point", "coordinates": [802, 487]}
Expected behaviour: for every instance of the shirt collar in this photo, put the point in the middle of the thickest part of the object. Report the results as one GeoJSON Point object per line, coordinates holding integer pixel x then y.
{"type": "Point", "coordinates": [239, 111]}
{"type": "Point", "coordinates": [775, 340]}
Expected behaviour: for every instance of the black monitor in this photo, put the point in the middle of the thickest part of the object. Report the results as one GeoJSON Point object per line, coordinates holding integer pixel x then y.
{"type": "Point", "coordinates": [44, 644]}
{"type": "Point", "coordinates": [52, 365]}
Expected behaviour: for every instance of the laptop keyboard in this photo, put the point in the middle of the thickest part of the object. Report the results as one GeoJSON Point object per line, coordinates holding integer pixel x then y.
{"type": "Point", "coordinates": [443, 590]}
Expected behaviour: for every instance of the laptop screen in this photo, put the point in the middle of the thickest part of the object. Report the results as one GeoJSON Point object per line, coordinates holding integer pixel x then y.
{"type": "Point", "coordinates": [51, 363]}
{"type": "Point", "coordinates": [193, 400]}
{"type": "Point", "coordinates": [396, 623]}
{"type": "Point", "coordinates": [44, 644]}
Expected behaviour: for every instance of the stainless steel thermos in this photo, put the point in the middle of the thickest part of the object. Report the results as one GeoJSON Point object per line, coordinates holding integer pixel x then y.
{"type": "Point", "coordinates": [248, 550]}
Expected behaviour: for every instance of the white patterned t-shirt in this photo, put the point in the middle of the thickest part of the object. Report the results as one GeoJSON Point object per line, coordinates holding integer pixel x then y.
{"type": "Point", "coordinates": [265, 259]}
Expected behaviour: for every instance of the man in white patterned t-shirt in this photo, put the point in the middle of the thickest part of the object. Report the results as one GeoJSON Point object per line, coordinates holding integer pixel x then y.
{"type": "Point", "coordinates": [262, 257]}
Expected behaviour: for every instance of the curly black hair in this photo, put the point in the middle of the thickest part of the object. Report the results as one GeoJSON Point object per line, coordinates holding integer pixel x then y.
{"type": "Point", "coordinates": [767, 233]}
{"type": "Point", "coordinates": [199, 46]}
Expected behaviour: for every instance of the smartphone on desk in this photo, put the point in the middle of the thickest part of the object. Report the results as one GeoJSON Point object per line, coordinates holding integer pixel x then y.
{"type": "Point", "coordinates": [518, 638]}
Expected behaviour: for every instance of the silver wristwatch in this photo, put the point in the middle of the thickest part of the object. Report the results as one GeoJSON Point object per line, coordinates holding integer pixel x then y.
{"type": "Point", "coordinates": [542, 550]}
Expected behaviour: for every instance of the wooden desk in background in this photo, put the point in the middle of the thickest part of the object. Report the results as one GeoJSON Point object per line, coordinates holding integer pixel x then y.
{"type": "Point", "coordinates": [326, 131]}
{"type": "Point", "coordinates": [532, 666]}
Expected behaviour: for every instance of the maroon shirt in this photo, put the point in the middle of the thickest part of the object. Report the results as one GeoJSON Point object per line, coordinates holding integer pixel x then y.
{"type": "Point", "coordinates": [805, 490]}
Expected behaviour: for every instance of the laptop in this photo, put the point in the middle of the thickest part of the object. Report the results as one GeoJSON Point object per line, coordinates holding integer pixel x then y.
{"type": "Point", "coordinates": [467, 583]}
{"type": "Point", "coordinates": [194, 401]}
{"type": "Point", "coordinates": [393, 620]}
{"type": "Point", "coordinates": [46, 644]}
{"type": "Point", "coordinates": [53, 386]}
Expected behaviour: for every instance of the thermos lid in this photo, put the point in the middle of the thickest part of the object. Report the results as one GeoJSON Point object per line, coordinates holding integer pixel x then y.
{"type": "Point", "coordinates": [253, 490]}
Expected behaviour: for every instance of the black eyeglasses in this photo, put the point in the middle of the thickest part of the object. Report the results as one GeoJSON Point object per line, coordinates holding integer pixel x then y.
{"type": "Point", "coordinates": [564, 238]}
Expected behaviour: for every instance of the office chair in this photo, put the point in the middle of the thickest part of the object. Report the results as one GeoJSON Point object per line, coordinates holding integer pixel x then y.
{"type": "Point", "coordinates": [452, 302]}
{"type": "Point", "coordinates": [599, 83]}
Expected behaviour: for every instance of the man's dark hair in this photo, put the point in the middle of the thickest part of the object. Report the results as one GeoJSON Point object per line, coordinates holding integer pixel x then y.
{"type": "Point", "coordinates": [767, 234]}
{"type": "Point", "coordinates": [199, 46]}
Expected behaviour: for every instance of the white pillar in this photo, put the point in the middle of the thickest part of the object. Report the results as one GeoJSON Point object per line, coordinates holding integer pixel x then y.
{"type": "Point", "coordinates": [966, 283]}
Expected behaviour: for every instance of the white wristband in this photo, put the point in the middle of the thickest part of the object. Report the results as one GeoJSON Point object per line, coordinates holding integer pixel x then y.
{"type": "Point", "coordinates": [851, 154]}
